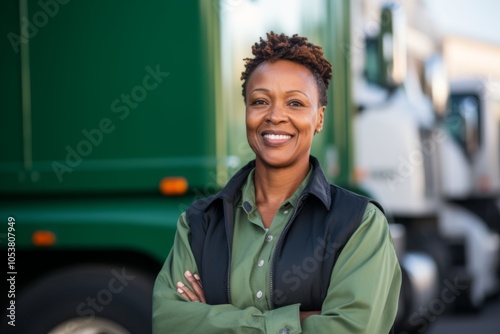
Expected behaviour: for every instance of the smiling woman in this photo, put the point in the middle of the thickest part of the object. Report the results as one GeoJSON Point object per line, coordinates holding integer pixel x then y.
{"type": "Point", "coordinates": [283, 113]}
{"type": "Point", "coordinates": [279, 249]}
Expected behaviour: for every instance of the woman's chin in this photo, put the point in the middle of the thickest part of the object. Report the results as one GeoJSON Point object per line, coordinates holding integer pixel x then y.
{"type": "Point", "coordinates": [277, 160]}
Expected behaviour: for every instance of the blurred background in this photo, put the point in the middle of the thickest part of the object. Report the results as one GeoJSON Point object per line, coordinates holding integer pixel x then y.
{"type": "Point", "coordinates": [117, 115]}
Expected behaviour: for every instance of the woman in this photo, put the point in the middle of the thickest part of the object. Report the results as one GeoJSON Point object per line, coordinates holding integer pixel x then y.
{"type": "Point", "coordinates": [279, 249]}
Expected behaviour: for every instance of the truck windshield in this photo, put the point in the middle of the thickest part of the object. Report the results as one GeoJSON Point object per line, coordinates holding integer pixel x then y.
{"type": "Point", "coordinates": [462, 122]}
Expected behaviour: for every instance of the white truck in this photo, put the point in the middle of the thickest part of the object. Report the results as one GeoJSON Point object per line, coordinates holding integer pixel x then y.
{"type": "Point", "coordinates": [433, 161]}
{"type": "Point", "coordinates": [469, 159]}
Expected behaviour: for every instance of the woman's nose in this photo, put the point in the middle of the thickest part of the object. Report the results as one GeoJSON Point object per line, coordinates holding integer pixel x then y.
{"type": "Point", "coordinates": [276, 114]}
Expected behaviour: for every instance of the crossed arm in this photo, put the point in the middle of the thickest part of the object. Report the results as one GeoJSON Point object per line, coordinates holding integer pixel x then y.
{"type": "Point", "coordinates": [362, 297]}
{"type": "Point", "coordinates": [193, 292]}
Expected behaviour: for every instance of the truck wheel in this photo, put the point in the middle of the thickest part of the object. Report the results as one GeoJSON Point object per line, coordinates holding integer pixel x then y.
{"type": "Point", "coordinates": [466, 303]}
{"type": "Point", "coordinates": [89, 299]}
{"type": "Point", "coordinates": [432, 244]}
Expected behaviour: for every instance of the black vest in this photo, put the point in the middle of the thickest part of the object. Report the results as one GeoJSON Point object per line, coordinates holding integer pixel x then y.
{"type": "Point", "coordinates": [305, 253]}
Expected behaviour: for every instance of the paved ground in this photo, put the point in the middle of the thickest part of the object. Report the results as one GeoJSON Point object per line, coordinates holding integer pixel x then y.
{"type": "Point", "coordinates": [486, 322]}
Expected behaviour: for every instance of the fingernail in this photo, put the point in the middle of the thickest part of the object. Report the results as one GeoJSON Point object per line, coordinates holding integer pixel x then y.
{"type": "Point", "coordinates": [180, 291]}
{"type": "Point", "coordinates": [180, 284]}
{"type": "Point", "coordinates": [197, 277]}
{"type": "Point", "coordinates": [188, 274]}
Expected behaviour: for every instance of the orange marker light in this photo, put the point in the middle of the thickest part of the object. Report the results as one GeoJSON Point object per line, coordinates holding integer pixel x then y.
{"type": "Point", "coordinates": [43, 238]}
{"type": "Point", "coordinates": [173, 186]}
{"type": "Point", "coordinates": [360, 174]}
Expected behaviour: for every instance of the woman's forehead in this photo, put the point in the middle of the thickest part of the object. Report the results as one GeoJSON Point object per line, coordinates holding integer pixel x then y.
{"type": "Point", "coordinates": [284, 73]}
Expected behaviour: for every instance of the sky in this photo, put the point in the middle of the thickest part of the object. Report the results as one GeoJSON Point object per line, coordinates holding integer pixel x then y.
{"type": "Point", "coordinates": [479, 19]}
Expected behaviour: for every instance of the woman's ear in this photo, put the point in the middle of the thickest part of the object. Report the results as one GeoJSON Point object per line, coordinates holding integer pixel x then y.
{"type": "Point", "coordinates": [321, 115]}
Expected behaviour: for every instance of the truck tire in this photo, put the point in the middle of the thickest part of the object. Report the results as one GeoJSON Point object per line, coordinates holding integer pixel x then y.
{"type": "Point", "coordinates": [89, 299]}
{"type": "Point", "coordinates": [429, 242]}
{"type": "Point", "coordinates": [465, 302]}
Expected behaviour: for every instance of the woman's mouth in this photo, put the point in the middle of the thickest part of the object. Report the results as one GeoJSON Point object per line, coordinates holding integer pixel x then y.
{"type": "Point", "coordinates": [274, 139]}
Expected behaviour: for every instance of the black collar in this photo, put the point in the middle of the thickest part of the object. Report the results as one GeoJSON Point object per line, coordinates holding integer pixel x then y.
{"type": "Point", "coordinates": [318, 184]}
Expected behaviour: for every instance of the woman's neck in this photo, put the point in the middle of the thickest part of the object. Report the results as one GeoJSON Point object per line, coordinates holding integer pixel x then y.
{"type": "Point", "coordinates": [274, 185]}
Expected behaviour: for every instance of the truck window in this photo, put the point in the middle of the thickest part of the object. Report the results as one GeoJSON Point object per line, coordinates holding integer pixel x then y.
{"type": "Point", "coordinates": [462, 122]}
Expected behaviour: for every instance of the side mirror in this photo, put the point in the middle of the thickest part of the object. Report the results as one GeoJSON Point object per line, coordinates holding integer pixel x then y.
{"type": "Point", "coordinates": [436, 83]}
{"type": "Point", "coordinates": [392, 53]}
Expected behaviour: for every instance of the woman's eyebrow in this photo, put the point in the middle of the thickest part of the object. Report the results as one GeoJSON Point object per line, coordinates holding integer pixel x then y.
{"type": "Point", "coordinates": [297, 91]}
{"type": "Point", "coordinates": [287, 92]}
{"type": "Point", "coordinates": [259, 89]}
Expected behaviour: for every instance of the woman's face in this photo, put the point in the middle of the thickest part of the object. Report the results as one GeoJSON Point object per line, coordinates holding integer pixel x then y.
{"type": "Point", "coordinates": [282, 113]}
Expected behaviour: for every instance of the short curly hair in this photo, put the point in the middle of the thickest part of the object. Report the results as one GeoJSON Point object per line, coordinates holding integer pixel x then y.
{"type": "Point", "coordinates": [295, 49]}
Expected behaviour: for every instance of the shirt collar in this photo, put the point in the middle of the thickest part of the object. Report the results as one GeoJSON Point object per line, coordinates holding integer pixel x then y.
{"type": "Point", "coordinates": [318, 184]}
{"type": "Point", "coordinates": [248, 192]}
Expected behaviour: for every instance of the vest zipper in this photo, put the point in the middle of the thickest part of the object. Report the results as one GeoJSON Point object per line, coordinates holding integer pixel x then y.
{"type": "Point", "coordinates": [280, 241]}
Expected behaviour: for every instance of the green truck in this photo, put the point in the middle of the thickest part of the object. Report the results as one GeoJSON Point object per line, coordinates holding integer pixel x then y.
{"type": "Point", "coordinates": [115, 116]}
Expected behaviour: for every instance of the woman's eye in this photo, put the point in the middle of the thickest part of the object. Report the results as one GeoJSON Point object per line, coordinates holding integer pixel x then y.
{"type": "Point", "coordinates": [258, 102]}
{"type": "Point", "coordinates": [296, 104]}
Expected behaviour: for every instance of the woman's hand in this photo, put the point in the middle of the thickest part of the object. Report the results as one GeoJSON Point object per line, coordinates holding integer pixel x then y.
{"type": "Point", "coordinates": [304, 315]}
{"type": "Point", "coordinates": [194, 293]}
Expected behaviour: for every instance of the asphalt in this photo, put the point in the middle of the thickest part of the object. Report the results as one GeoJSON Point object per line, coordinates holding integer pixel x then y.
{"type": "Point", "coordinates": [485, 322]}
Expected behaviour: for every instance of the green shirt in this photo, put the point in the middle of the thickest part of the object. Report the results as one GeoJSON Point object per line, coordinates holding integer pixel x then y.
{"type": "Point", "coordinates": [362, 297]}
{"type": "Point", "coordinates": [254, 240]}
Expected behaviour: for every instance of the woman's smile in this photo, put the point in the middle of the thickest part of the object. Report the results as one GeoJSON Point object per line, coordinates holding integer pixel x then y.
{"type": "Point", "coordinates": [276, 138]}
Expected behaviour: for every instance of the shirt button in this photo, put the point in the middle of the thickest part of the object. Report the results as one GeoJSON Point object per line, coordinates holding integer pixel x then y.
{"type": "Point", "coordinates": [247, 206]}
{"type": "Point", "coordinates": [261, 263]}
{"type": "Point", "coordinates": [285, 212]}
{"type": "Point", "coordinates": [269, 238]}
{"type": "Point", "coordinates": [285, 330]}
{"type": "Point", "coordinates": [259, 294]}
